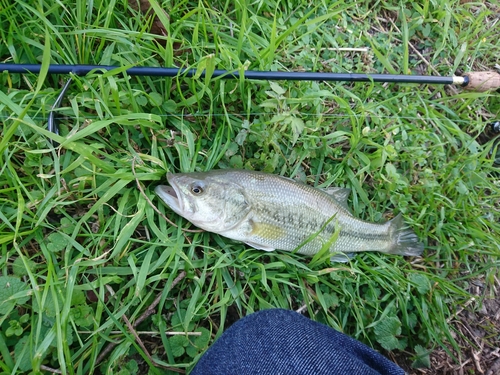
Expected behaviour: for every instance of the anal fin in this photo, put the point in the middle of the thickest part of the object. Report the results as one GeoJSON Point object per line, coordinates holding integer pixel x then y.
{"type": "Point", "coordinates": [342, 257]}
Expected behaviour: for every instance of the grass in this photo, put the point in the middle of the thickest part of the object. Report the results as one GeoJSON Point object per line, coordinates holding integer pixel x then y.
{"type": "Point", "coordinates": [83, 253]}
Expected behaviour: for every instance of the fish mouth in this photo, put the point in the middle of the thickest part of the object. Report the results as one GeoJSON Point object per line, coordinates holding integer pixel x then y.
{"type": "Point", "coordinates": [170, 195]}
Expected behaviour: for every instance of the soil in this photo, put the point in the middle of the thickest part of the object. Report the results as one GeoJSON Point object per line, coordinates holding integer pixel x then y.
{"type": "Point", "coordinates": [476, 329]}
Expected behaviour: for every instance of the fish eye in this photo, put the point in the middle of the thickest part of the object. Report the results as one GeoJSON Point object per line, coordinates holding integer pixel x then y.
{"type": "Point", "coordinates": [196, 189]}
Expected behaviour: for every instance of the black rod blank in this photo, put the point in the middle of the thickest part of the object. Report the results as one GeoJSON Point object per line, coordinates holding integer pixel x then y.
{"type": "Point", "coordinates": [248, 74]}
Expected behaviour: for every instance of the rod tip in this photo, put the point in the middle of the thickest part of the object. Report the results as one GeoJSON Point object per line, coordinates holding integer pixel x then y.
{"type": "Point", "coordinates": [483, 81]}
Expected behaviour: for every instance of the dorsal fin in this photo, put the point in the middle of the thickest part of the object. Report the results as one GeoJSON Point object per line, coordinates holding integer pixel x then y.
{"type": "Point", "coordinates": [340, 195]}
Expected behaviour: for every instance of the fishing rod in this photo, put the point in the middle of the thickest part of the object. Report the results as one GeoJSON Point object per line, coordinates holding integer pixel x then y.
{"type": "Point", "coordinates": [476, 81]}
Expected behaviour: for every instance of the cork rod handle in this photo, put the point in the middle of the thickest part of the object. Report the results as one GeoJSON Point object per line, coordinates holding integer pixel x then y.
{"type": "Point", "coordinates": [483, 81]}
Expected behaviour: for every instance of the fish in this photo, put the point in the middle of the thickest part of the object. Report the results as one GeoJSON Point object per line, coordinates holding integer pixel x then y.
{"type": "Point", "coordinates": [271, 212]}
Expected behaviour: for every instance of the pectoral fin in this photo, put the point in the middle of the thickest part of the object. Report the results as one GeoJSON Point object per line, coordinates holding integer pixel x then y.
{"type": "Point", "coordinates": [260, 246]}
{"type": "Point", "coordinates": [266, 230]}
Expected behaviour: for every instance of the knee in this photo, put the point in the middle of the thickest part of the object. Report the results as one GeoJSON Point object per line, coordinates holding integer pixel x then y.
{"type": "Point", "coordinates": [271, 317]}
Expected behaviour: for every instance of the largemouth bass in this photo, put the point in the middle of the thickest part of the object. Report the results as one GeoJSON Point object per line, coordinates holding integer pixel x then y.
{"type": "Point", "coordinates": [271, 212]}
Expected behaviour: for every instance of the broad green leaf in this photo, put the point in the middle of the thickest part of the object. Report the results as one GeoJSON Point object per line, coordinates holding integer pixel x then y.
{"type": "Point", "coordinates": [23, 352]}
{"type": "Point", "coordinates": [13, 292]}
{"type": "Point", "coordinates": [422, 359]}
{"type": "Point", "coordinates": [386, 331]}
{"type": "Point", "coordinates": [82, 315]}
{"type": "Point", "coordinates": [277, 88]}
{"type": "Point", "coordinates": [56, 242]}
{"type": "Point", "coordinates": [198, 343]}
{"type": "Point", "coordinates": [19, 268]}
{"type": "Point", "coordinates": [297, 128]}
{"type": "Point", "coordinates": [421, 281]}
{"type": "Point", "coordinates": [178, 343]}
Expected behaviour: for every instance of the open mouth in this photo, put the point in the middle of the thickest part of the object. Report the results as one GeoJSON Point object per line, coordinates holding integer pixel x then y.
{"type": "Point", "coordinates": [169, 195]}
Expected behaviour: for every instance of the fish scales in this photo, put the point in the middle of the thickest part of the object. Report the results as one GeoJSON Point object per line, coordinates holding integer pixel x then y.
{"type": "Point", "coordinates": [271, 212]}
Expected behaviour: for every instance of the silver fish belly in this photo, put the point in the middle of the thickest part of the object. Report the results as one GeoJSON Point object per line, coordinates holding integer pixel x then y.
{"type": "Point", "coordinates": [271, 212]}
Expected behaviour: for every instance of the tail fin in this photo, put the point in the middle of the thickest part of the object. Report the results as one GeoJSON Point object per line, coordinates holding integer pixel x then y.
{"type": "Point", "coordinates": [405, 241]}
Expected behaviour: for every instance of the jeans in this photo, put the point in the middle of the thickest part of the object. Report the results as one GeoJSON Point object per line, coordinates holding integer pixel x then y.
{"type": "Point", "coordinates": [279, 341]}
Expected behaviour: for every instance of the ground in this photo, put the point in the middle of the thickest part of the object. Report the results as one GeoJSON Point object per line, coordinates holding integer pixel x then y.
{"type": "Point", "coordinates": [477, 330]}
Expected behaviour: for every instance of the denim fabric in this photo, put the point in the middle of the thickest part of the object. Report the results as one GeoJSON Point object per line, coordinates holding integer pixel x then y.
{"type": "Point", "coordinates": [282, 342]}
